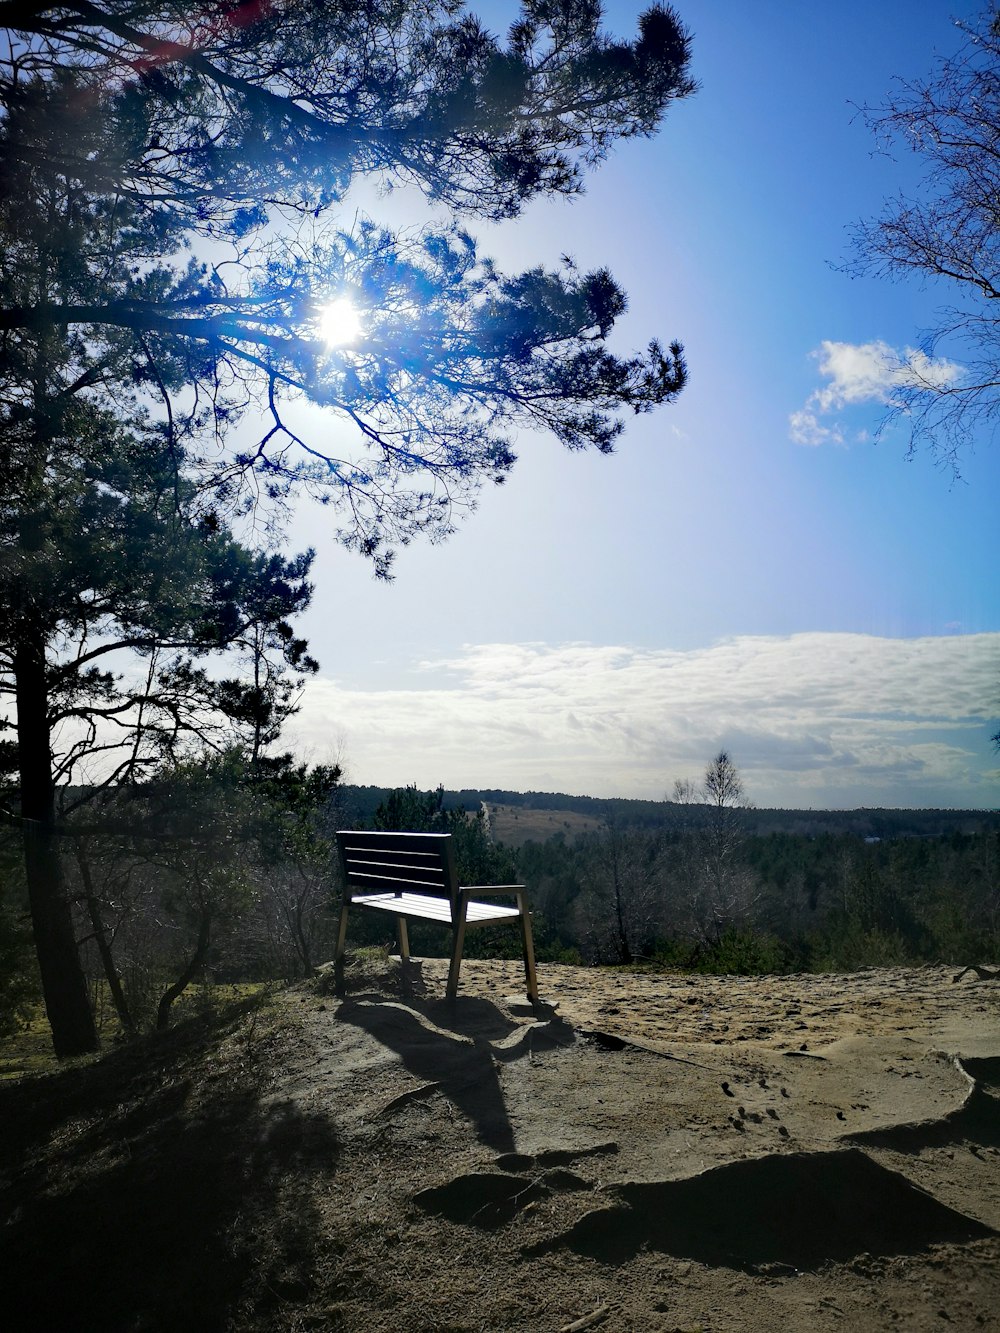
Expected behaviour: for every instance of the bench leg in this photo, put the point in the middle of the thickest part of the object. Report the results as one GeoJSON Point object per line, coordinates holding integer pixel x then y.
{"type": "Point", "coordinates": [338, 957]}
{"type": "Point", "coordinates": [456, 949]}
{"type": "Point", "coordinates": [529, 950]}
{"type": "Point", "coordinates": [404, 940]}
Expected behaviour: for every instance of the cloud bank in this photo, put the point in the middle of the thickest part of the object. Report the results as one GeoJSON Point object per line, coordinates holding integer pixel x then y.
{"type": "Point", "coordinates": [811, 719]}
{"type": "Point", "coordinates": [871, 372]}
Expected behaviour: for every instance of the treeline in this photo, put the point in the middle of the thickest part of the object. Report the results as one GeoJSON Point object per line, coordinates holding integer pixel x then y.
{"type": "Point", "coordinates": [667, 815]}
{"type": "Point", "coordinates": [226, 870]}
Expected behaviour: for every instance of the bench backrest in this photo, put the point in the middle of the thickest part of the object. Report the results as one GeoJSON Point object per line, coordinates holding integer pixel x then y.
{"type": "Point", "coordinates": [398, 863]}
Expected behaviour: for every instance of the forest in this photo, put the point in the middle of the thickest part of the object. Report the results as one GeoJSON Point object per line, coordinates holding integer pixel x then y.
{"type": "Point", "coordinates": [227, 874]}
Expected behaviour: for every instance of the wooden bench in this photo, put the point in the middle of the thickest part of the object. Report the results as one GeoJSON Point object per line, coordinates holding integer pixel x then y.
{"type": "Point", "coordinates": [412, 876]}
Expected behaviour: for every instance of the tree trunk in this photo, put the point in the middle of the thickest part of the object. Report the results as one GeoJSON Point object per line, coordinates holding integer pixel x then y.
{"type": "Point", "coordinates": [103, 944]}
{"type": "Point", "coordinates": [296, 925]}
{"type": "Point", "coordinates": [64, 985]}
{"type": "Point", "coordinates": [188, 975]}
{"type": "Point", "coordinates": [300, 934]}
{"type": "Point", "coordinates": [624, 949]}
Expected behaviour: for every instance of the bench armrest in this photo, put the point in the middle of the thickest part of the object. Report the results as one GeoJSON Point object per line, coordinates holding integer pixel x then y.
{"type": "Point", "coordinates": [491, 888]}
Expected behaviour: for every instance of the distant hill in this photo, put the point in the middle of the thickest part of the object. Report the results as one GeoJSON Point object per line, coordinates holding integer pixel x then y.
{"type": "Point", "coordinates": [519, 817]}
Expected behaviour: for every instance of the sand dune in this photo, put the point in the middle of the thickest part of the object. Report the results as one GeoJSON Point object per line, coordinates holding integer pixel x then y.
{"type": "Point", "coordinates": [668, 1152]}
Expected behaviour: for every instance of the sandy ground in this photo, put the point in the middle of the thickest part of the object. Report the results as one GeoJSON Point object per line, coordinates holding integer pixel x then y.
{"type": "Point", "coordinates": [662, 1152]}
{"type": "Point", "coordinates": [642, 1153]}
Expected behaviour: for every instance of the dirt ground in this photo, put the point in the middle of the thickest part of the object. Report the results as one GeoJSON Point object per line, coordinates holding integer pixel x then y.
{"type": "Point", "coordinates": [646, 1152]}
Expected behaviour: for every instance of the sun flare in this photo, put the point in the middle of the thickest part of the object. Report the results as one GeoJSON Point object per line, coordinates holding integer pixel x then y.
{"type": "Point", "coordinates": [339, 323]}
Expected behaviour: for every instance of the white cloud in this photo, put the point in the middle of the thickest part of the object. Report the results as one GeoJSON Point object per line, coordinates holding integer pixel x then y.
{"type": "Point", "coordinates": [857, 373]}
{"type": "Point", "coordinates": [812, 719]}
{"type": "Point", "coordinates": [805, 428]}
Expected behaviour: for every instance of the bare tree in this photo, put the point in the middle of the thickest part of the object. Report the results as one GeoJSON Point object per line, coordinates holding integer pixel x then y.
{"type": "Point", "coordinates": [722, 785]}
{"type": "Point", "coordinates": [716, 890]}
{"type": "Point", "coordinates": [620, 908]}
{"type": "Point", "coordinates": [946, 230]}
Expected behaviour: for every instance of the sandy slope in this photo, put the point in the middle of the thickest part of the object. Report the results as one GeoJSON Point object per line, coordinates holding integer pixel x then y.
{"type": "Point", "coordinates": [664, 1152]}
{"type": "Point", "coordinates": [646, 1153]}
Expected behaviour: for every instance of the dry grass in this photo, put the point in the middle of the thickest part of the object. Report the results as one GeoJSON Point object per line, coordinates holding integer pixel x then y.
{"type": "Point", "coordinates": [514, 825]}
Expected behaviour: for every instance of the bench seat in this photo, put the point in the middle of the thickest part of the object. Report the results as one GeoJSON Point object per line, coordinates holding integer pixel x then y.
{"type": "Point", "coordinates": [420, 907]}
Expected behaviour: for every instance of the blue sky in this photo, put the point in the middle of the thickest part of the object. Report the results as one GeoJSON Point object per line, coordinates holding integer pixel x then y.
{"type": "Point", "coordinates": [749, 570]}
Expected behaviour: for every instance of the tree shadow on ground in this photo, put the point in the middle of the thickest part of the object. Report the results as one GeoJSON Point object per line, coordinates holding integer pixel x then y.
{"type": "Point", "coordinates": [158, 1189]}
{"type": "Point", "coordinates": [455, 1048]}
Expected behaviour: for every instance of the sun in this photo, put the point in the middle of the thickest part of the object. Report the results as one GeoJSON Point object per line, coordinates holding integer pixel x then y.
{"type": "Point", "coordinates": [339, 323]}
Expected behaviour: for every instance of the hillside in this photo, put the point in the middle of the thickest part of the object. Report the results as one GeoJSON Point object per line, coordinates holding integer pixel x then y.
{"type": "Point", "coordinates": [650, 1152]}
{"type": "Point", "coordinates": [520, 816]}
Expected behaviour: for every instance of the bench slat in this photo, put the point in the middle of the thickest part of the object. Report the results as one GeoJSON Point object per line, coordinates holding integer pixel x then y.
{"type": "Point", "coordinates": [418, 844]}
{"type": "Point", "coordinates": [385, 874]}
{"type": "Point", "coordinates": [379, 856]}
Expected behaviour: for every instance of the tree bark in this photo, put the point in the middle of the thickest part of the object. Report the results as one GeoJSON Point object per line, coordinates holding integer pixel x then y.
{"type": "Point", "coordinates": [624, 949]}
{"type": "Point", "coordinates": [188, 975]}
{"type": "Point", "coordinates": [294, 920]}
{"type": "Point", "coordinates": [64, 986]}
{"type": "Point", "coordinates": [103, 944]}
